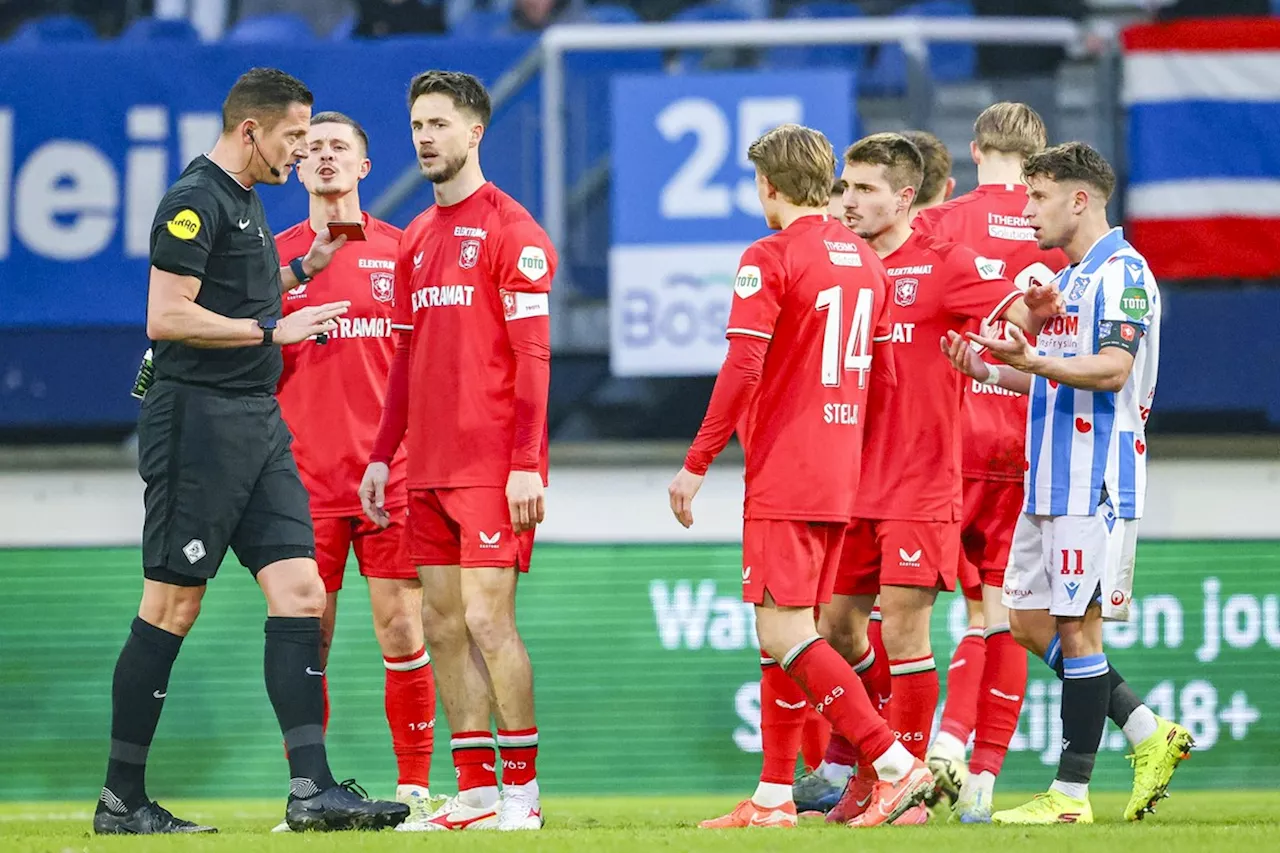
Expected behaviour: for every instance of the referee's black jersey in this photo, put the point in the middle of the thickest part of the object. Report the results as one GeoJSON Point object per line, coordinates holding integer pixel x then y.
{"type": "Point", "coordinates": [211, 227]}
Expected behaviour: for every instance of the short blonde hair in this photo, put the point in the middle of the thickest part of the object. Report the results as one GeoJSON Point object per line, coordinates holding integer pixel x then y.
{"type": "Point", "coordinates": [1010, 128]}
{"type": "Point", "coordinates": [902, 161]}
{"type": "Point", "coordinates": [799, 162]}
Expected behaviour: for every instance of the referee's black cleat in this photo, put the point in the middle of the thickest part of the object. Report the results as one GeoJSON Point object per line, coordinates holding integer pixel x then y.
{"type": "Point", "coordinates": [344, 806]}
{"type": "Point", "coordinates": [149, 819]}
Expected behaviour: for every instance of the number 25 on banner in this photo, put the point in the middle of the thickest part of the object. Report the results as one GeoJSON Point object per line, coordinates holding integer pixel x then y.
{"type": "Point", "coordinates": [693, 192]}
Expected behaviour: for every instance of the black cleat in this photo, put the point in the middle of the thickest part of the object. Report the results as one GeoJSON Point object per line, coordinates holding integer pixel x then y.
{"type": "Point", "coordinates": [344, 806]}
{"type": "Point", "coordinates": [150, 819]}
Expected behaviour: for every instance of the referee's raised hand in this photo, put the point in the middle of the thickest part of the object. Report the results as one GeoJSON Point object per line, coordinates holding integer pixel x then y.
{"type": "Point", "coordinates": [309, 322]}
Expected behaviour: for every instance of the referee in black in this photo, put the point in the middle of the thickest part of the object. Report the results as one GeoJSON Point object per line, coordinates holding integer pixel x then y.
{"type": "Point", "coordinates": [215, 456]}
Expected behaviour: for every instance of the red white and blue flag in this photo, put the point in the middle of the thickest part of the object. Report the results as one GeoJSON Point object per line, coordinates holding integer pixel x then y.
{"type": "Point", "coordinates": [1203, 100]}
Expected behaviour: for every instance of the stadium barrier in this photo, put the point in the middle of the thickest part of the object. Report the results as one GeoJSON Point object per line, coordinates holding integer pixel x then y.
{"type": "Point", "coordinates": [647, 674]}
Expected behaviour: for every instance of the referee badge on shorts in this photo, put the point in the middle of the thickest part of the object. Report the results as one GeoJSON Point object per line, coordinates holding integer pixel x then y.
{"type": "Point", "coordinates": [194, 551]}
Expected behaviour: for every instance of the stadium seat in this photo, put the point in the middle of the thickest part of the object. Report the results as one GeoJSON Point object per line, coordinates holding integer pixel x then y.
{"type": "Point", "coordinates": [948, 63]}
{"type": "Point", "coordinates": [844, 56]}
{"type": "Point", "coordinates": [712, 10]}
{"type": "Point", "coordinates": [54, 28]}
{"type": "Point", "coordinates": [170, 30]}
{"type": "Point", "coordinates": [280, 27]}
{"type": "Point", "coordinates": [609, 13]}
{"type": "Point", "coordinates": [482, 23]}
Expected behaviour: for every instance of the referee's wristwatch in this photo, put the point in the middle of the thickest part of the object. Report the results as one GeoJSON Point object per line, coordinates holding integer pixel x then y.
{"type": "Point", "coordinates": [268, 327]}
{"type": "Point", "coordinates": [298, 272]}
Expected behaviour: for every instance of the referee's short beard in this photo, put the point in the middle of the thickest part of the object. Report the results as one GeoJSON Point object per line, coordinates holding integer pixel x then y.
{"type": "Point", "coordinates": [452, 166]}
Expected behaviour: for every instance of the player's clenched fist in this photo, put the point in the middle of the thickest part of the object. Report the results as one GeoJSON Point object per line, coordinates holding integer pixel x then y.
{"type": "Point", "coordinates": [373, 493]}
{"type": "Point", "coordinates": [309, 322]}
{"type": "Point", "coordinates": [681, 492]}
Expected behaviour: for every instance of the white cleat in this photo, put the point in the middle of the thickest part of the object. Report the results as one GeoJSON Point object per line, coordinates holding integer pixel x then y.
{"type": "Point", "coordinates": [283, 826]}
{"type": "Point", "coordinates": [420, 802]}
{"type": "Point", "coordinates": [946, 760]}
{"type": "Point", "coordinates": [520, 812]}
{"type": "Point", "coordinates": [454, 816]}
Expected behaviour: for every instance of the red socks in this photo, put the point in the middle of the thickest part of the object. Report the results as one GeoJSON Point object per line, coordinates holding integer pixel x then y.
{"type": "Point", "coordinates": [915, 698]}
{"type": "Point", "coordinates": [519, 749]}
{"type": "Point", "coordinates": [473, 760]}
{"type": "Point", "coordinates": [410, 697]}
{"type": "Point", "coordinates": [964, 679]}
{"type": "Point", "coordinates": [840, 751]}
{"type": "Point", "coordinates": [814, 738]}
{"type": "Point", "coordinates": [783, 708]}
{"type": "Point", "coordinates": [839, 696]}
{"type": "Point", "coordinates": [873, 671]}
{"type": "Point", "coordinates": [1004, 682]}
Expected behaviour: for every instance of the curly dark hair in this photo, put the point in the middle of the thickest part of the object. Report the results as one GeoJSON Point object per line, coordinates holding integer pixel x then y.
{"type": "Point", "coordinates": [1073, 161]}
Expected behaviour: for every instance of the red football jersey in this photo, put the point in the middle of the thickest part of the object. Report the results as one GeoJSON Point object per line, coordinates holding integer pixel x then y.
{"type": "Point", "coordinates": [331, 395]}
{"type": "Point", "coordinates": [464, 272]}
{"type": "Point", "coordinates": [818, 294]}
{"type": "Point", "coordinates": [911, 467]}
{"type": "Point", "coordinates": [989, 220]}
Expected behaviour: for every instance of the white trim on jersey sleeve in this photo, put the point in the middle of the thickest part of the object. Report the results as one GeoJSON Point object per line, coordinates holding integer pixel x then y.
{"type": "Point", "coordinates": [1001, 307]}
{"type": "Point", "coordinates": [749, 333]}
{"type": "Point", "coordinates": [401, 327]}
{"type": "Point", "coordinates": [883, 339]}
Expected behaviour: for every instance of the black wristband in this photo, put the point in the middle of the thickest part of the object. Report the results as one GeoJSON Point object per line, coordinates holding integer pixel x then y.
{"type": "Point", "coordinates": [298, 272]}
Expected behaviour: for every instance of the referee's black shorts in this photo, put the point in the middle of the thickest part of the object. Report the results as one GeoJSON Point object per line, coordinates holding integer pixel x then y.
{"type": "Point", "coordinates": [218, 474]}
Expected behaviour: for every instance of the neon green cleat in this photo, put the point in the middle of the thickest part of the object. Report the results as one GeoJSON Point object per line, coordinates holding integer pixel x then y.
{"type": "Point", "coordinates": [1048, 808]}
{"type": "Point", "coordinates": [1154, 761]}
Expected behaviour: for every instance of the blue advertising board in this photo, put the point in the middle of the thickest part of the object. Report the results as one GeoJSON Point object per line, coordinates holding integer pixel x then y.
{"type": "Point", "coordinates": [685, 206]}
{"type": "Point", "coordinates": [90, 140]}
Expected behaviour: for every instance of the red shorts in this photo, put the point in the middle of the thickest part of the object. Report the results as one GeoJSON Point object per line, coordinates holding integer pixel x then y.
{"type": "Point", "coordinates": [380, 553]}
{"type": "Point", "coordinates": [468, 527]}
{"type": "Point", "coordinates": [795, 561]}
{"type": "Point", "coordinates": [898, 553]}
{"type": "Point", "coordinates": [991, 510]}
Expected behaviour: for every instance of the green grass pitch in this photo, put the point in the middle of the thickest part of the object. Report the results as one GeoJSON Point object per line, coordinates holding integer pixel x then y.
{"type": "Point", "coordinates": [1188, 822]}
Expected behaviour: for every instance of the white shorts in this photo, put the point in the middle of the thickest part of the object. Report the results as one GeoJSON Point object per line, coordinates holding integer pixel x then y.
{"type": "Point", "coordinates": [1064, 563]}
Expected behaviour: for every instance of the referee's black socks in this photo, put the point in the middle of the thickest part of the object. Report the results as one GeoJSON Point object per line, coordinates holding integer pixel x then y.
{"type": "Point", "coordinates": [293, 674]}
{"type": "Point", "coordinates": [138, 689]}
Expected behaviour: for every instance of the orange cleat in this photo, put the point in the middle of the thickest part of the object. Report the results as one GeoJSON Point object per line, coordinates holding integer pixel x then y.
{"type": "Point", "coordinates": [891, 800]}
{"type": "Point", "coordinates": [854, 800]}
{"type": "Point", "coordinates": [748, 814]}
{"type": "Point", "coordinates": [914, 816]}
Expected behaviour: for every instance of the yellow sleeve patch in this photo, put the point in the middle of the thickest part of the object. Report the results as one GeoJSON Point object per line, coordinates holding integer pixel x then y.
{"type": "Point", "coordinates": [185, 225]}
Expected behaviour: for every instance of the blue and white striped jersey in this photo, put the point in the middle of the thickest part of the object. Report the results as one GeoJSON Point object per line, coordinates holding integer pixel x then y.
{"type": "Point", "coordinates": [1080, 442]}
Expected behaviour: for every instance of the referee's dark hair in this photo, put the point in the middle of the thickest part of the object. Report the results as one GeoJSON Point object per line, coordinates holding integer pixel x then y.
{"type": "Point", "coordinates": [335, 117]}
{"type": "Point", "coordinates": [466, 92]}
{"type": "Point", "coordinates": [264, 94]}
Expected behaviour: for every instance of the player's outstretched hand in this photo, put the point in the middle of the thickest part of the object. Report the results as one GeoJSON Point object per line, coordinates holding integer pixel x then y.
{"type": "Point", "coordinates": [681, 492]}
{"type": "Point", "coordinates": [322, 250]}
{"type": "Point", "coordinates": [963, 356]}
{"type": "Point", "coordinates": [1013, 349]}
{"type": "Point", "coordinates": [1044, 301]}
{"type": "Point", "coordinates": [525, 500]}
{"type": "Point", "coordinates": [309, 322]}
{"type": "Point", "coordinates": [373, 493]}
